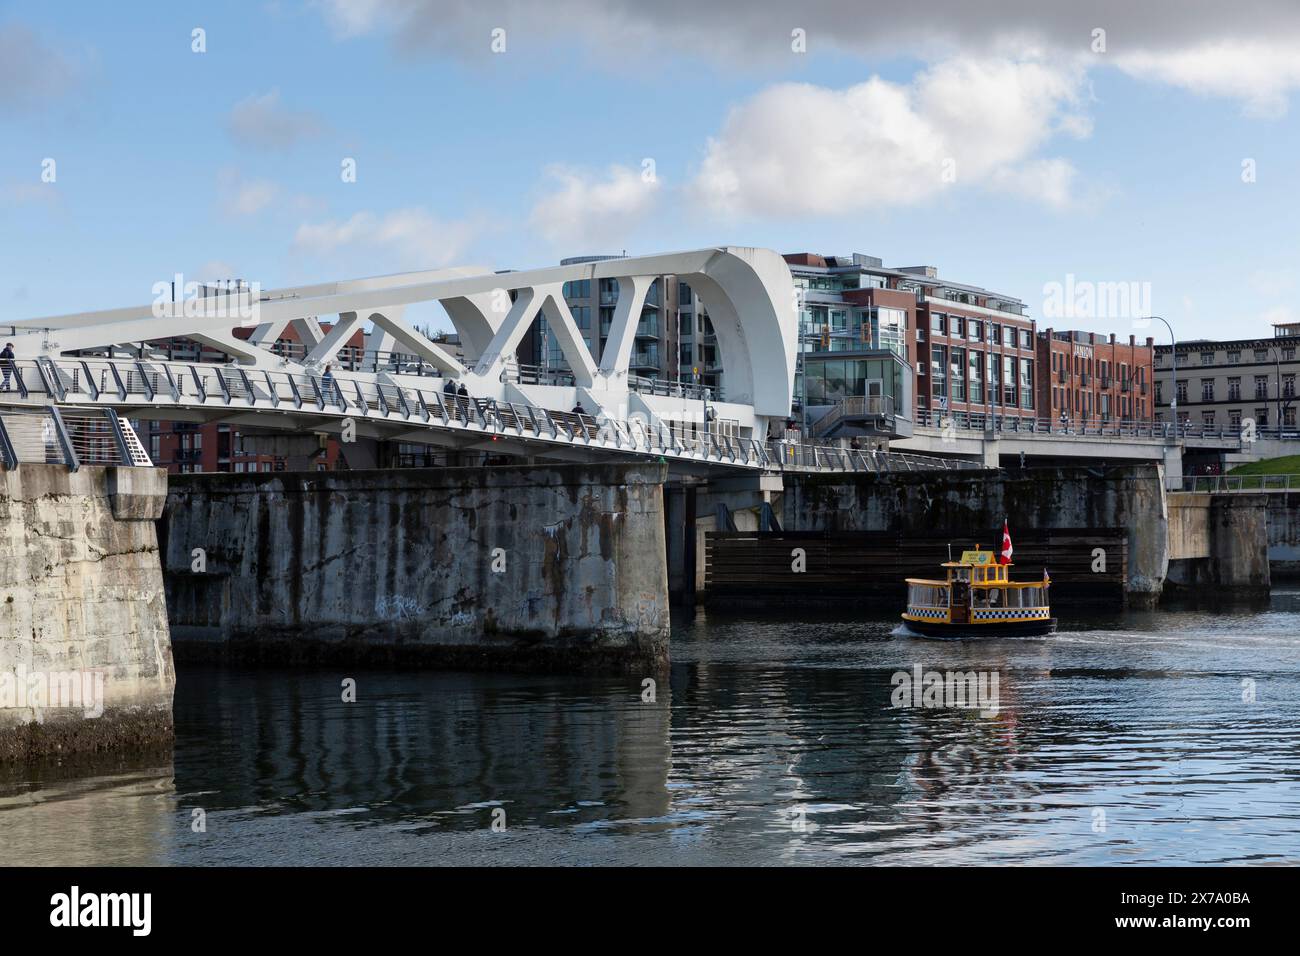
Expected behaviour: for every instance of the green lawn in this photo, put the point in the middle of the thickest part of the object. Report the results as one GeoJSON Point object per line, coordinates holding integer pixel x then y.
{"type": "Point", "coordinates": [1286, 465]}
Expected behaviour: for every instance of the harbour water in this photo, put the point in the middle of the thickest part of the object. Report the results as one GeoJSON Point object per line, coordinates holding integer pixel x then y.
{"type": "Point", "coordinates": [1167, 737]}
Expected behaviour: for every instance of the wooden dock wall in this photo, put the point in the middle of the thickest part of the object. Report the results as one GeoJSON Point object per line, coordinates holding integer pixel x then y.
{"type": "Point", "coordinates": [838, 566]}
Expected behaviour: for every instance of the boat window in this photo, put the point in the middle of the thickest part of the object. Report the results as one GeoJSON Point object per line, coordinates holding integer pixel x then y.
{"type": "Point", "coordinates": [995, 597]}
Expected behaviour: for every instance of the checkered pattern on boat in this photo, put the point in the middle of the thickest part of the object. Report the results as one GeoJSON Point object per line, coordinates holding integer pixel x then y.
{"type": "Point", "coordinates": [1010, 614]}
{"type": "Point", "coordinates": [929, 613]}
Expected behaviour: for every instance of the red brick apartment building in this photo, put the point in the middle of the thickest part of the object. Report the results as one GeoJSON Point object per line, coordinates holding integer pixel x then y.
{"type": "Point", "coordinates": [1091, 377]}
{"type": "Point", "coordinates": [971, 351]}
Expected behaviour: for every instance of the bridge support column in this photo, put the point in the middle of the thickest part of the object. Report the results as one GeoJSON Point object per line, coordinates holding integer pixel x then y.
{"type": "Point", "coordinates": [85, 654]}
{"type": "Point", "coordinates": [989, 450]}
{"type": "Point", "coordinates": [680, 541]}
{"type": "Point", "coordinates": [1173, 465]}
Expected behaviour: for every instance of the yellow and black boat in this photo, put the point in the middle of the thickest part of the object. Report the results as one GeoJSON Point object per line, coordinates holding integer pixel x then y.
{"type": "Point", "coordinates": [978, 599]}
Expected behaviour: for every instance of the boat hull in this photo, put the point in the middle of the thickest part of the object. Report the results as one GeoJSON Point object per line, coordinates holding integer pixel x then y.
{"type": "Point", "coordinates": [977, 631]}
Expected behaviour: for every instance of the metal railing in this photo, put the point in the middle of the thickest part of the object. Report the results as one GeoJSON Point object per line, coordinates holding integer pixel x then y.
{"type": "Point", "coordinates": [68, 435]}
{"type": "Point", "coordinates": [152, 384]}
{"type": "Point", "coordinates": [854, 406]}
{"type": "Point", "coordinates": [1100, 427]}
{"type": "Point", "coordinates": [1233, 483]}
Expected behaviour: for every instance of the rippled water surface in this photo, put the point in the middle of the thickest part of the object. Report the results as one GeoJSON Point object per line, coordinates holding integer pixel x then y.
{"type": "Point", "coordinates": [1123, 739]}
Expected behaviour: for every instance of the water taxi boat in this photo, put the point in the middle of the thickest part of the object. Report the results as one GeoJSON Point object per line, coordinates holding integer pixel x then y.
{"type": "Point", "coordinates": [978, 599]}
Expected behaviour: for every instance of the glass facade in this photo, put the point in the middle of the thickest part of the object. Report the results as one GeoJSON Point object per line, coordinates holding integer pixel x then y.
{"type": "Point", "coordinates": [833, 381]}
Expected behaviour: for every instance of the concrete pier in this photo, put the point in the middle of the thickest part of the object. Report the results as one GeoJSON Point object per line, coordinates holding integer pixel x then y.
{"type": "Point", "coordinates": [557, 567]}
{"type": "Point", "coordinates": [85, 657]}
{"type": "Point", "coordinates": [1219, 544]}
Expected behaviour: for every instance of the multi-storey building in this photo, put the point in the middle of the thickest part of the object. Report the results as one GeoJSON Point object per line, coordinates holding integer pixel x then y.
{"type": "Point", "coordinates": [971, 352]}
{"type": "Point", "coordinates": [674, 340]}
{"type": "Point", "coordinates": [1085, 376]}
{"type": "Point", "coordinates": [1224, 383]}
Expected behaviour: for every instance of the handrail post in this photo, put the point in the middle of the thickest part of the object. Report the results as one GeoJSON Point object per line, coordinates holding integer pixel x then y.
{"type": "Point", "coordinates": [119, 436]}
{"type": "Point", "coordinates": [61, 431]}
{"type": "Point", "coordinates": [7, 448]}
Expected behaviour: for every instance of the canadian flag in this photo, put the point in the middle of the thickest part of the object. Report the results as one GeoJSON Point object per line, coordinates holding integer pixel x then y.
{"type": "Point", "coordinates": [1004, 556]}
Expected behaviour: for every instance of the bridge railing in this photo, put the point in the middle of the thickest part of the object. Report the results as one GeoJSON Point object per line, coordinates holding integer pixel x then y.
{"type": "Point", "coordinates": [1244, 483]}
{"type": "Point", "coordinates": [1096, 427]}
{"type": "Point", "coordinates": [134, 383]}
{"type": "Point", "coordinates": [69, 436]}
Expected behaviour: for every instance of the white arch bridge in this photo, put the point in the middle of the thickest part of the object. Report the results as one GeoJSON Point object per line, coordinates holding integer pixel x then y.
{"type": "Point", "coordinates": [119, 361]}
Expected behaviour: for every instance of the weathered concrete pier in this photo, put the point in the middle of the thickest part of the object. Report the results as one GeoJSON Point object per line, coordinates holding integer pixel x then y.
{"type": "Point", "coordinates": [83, 619]}
{"type": "Point", "coordinates": [557, 567]}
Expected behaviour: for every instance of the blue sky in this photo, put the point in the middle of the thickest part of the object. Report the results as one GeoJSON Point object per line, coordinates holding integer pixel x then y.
{"type": "Point", "coordinates": [1118, 166]}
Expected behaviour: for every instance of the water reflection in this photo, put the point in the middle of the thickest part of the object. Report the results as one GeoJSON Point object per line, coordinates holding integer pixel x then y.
{"type": "Point", "coordinates": [1124, 738]}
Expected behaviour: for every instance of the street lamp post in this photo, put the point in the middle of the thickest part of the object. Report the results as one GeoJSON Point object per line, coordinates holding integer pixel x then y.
{"type": "Point", "coordinates": [1173, 356]}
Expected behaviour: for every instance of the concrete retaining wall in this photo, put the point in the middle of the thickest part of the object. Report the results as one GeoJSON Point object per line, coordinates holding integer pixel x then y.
{"type": "Point", "coordinates": [1219, 542]}
{"type": "Point", "coordinates": [974, 503]}
{"type": "Point", "coordinates": [1284, 534]}
{"type": "Point", "coordinates": [85, 657]}
{"type": "Point", "coordinates": [521, 568]}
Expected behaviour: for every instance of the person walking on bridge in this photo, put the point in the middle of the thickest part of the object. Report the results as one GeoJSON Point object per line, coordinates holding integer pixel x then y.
{"type": "Point", "coordinates": [7, 364]}
{"type": "Point", "coordinates": [327, 385]}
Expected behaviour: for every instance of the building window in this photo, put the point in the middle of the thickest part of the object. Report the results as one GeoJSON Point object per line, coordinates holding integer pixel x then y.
{"type": "Point", "coordinates": [1288, 416]}
{"type": "Point", "coordinates": [938, 323]}
{"type": "Point", "coordinates": [1261, 386]}
{"type": "Point", "coordinates": [1234, 357]}
{"type": "Point", "coordinates": [1234, 389]}
{"type": "Point", "coordinates": [1181, 390]}
{"type": "Point", "coordinates": [1207, 358]}
{"type": "Point", "coordinates": [938, 380]}
{"type": "Point", "coordinates": [1207, 418]}
{"type": "Point", "coordinates": [1288, 355]}
{"type": "Point", "coordinates": [1288, 386]}
{"type": "Point", "coordinates": [1234, 417]}
{"type": "Point", "coordinates": [958, 375]}
{"type": "Point", "coordinates": [975, 330]}
{"type": "Point", "coordinates": [1261, 355]}
{"type": "Point", "coordinates": [976, 376]}
{"type": "Point", "coordinates": [1261, 417]}
{"type": "Point", "coordinates": [1207, 389]}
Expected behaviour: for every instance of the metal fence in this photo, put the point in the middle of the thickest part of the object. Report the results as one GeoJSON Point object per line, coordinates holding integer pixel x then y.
{"type": "Point", "coordinates": [151, 384]}
{"type": "Point", "coordinates": [1099, 427]}
{"type": "Point", "coordinates": [68, 436]}
{"type": "Point", "coordinates": [1246, 483]}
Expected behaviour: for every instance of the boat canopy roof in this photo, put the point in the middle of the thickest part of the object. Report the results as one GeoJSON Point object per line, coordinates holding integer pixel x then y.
{"type": "Point", "coordinates": [974, 559]}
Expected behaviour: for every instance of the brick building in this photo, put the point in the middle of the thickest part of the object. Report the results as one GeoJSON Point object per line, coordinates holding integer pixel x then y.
{"type": "Point", "coordinates": [1086, 376]}
{"type": "Point", "coordinates": [970, 351]}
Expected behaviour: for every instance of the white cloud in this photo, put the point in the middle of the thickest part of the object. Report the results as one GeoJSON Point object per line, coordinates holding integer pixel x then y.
{"type": "Point", "coordinates": [261, 122]}
{"type": "Point", "coordinates": [1249, 53]}
{"type": "Point", "coordinates": [591, 210]}
{"type": "Point", "coordinates": [798, 149]}
{"type": "Point", "coordinates": [244, 197]}
{"type": "Point", "coordinates": [1048, 181]}
{"type": "Point", "coordinates": [410, 238]}
{"type": "Point", "coordinates": [31, 71]}
{"type": "Point", "coordinates": [1258, 73]}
